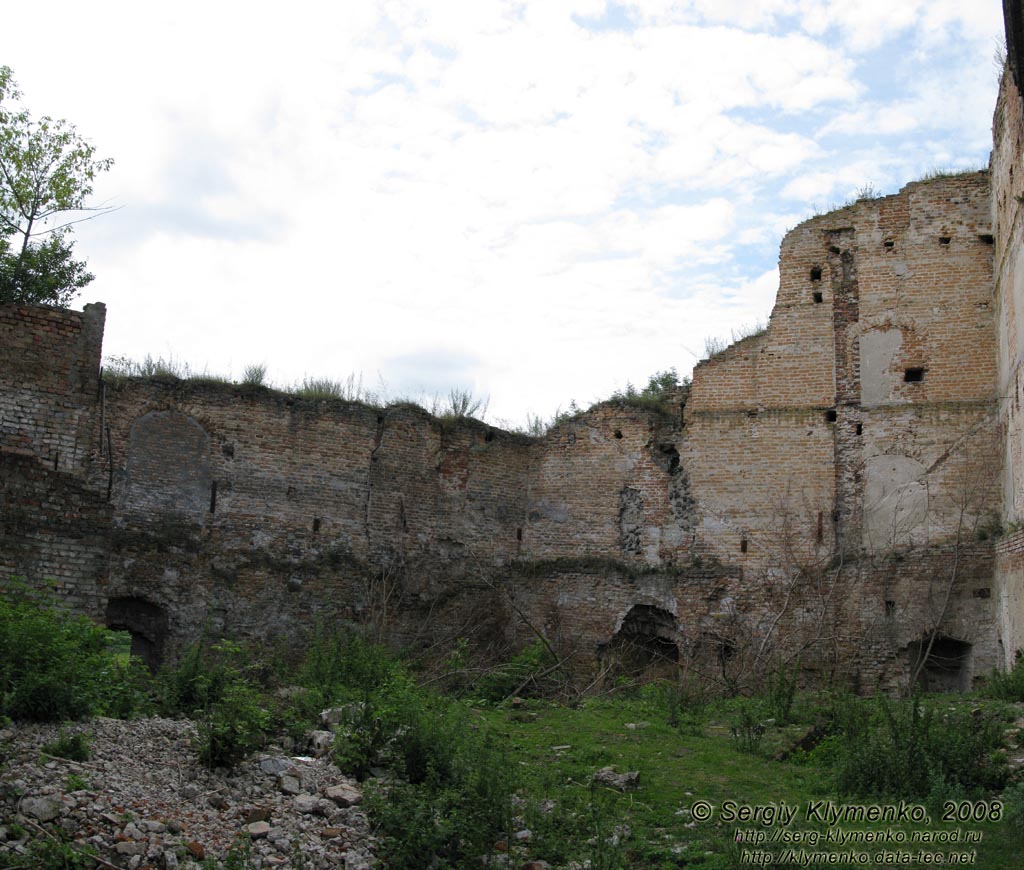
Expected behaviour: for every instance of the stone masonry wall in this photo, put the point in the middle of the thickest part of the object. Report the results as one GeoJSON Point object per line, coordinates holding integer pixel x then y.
{"type": "Point", "coordinates": [830, 491]}
{"type": "Point", "coordinates": [1008, 227]}
{"type": "Point", "coordinates": [49, 379]}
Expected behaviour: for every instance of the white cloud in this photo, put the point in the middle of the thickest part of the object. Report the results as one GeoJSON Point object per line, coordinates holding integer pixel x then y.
{"type": "Point", "coordinates": [339, 186]}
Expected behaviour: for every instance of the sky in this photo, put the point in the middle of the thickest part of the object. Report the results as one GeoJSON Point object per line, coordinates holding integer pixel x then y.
{"type": "Point", "coordinates": [537, 201]}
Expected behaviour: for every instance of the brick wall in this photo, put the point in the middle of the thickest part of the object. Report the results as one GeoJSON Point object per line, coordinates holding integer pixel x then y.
{"type": "Point", "coordinates": [49, 379]}
{"type": "Point", "coordinates": [831, 489]}
{"type": "Point", "coordinates": [1007, 186]}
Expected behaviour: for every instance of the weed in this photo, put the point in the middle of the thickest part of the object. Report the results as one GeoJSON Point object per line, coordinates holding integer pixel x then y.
{"type": "Point", "coordinates": [72, 746]}
{"type": "Point", "coordinates": [904, 749]}
{"type": "Point", "coordinates": [664, 392]}
{"type": "Point", "coordinates": [233, 726]}
{"type": "Point", "coordinates": [255, 375]}
{"type": "Point", "coordinates": [1008, 685]}
{"type": "Point", "coordinates": [75, 782]}
{"type": "Point", "coordinates": [714, 346]}
{"type": "Point", "coordinates": [747, 728]}
{"type": "Point", "coordinates": [460, 405]}
{"type": "Point", "coordinates": [53, 666]}
{"type": "Point", "coordinates": [523, 674]}
{"type": "Point", "coordinates": [48, 854]}
{"type": "Point", "coordinates": [780, 692]}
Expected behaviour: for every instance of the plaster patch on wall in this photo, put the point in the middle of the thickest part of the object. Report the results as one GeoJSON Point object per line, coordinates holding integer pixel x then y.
{"type": "Point", "coordinates": [895, 500]}
{"type": "Point", "coordinates": [878, 349]}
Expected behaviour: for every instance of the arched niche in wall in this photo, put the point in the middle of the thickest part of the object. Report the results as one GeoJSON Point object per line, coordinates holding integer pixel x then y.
{"type": "Point", "coordinates": [895, 501]}
{"type": "Point", "coordinates": [168, 470]}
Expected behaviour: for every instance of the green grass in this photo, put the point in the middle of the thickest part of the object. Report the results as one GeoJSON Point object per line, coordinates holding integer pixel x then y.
{"type": "Point", "coordinates": [676, 769]}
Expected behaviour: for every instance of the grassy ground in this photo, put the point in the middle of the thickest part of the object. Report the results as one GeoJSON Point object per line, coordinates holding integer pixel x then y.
{"type": "Point", "coordinates": [559, 749]}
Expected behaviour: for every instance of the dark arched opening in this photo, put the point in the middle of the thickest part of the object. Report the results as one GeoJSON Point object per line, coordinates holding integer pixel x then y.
{"type": "Point", "coordinates": [646, 642]}
{"type": "Point", "coordinates": [145, 622]}
{"type": "Point", "coordinates": [940, 663]}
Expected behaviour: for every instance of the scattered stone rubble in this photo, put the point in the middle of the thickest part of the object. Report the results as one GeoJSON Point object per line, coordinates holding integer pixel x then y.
{"type": "Point", "coordinates": [148, 804]}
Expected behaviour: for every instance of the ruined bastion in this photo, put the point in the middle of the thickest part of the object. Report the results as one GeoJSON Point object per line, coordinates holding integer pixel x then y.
{"type": "Point", "coordinates": [843, 490]}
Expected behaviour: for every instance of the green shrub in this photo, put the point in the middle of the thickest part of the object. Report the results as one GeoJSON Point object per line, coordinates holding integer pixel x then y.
{"type": "Point", "coordinates": [663, 393]}
{"type": "Point", "coordinates": [683, 704]}
{"type": "Point", "coordinates": [72, 746]}
{"type": "Point", "coordinates": [45, 854]}
{"type": "Point", "coordinates": [522, 674]}
{"type": "Point", "coordinates": [746, 727]}
{"type": "Point", "coordinates": [780, 693]}
{"type": "Point", "coordinates": [1007, 685]}
{"type": "Point", "coordinates": [233, 726]}
{"type": "Point", "coordinates": [340, 664]}
{"type": "Point", "coordinates": [255, 375]}
{"type": "Point", "coordinates": [903, 749]}
{"type": "Point", "coordinates": [75, 782]}
{"type": "Point", "coordinates": [448, 820]}
{"type": "Point", "coordinates": [53, 666]}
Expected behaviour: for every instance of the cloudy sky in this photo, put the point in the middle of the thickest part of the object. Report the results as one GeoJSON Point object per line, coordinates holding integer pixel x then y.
{"type": "Point", "coordinates": [536, 200]}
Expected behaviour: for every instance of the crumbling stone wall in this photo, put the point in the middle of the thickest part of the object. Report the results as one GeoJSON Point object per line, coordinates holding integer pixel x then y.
{"type": "Point", "coordinates": [829, 494]}
{"type": "Point", "coordinates": [49, 380]}
{"type": "Point", "coordinates": [1008, 228]}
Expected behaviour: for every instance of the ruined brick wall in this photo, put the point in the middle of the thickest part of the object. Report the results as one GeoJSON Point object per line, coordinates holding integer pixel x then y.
{"type": "Point", "coordinates": [831, 489]}
{"type": "Point", "coordinates": [1008, 228]}
{"type": "Point", "coordinates": [54, 533]}
{"type": "Point", "coordinates": [863, 422]}
{"type": "Point", "coordinates": [49, 378]}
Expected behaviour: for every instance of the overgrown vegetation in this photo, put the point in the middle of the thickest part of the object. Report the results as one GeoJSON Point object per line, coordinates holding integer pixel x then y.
{"type": "Point", "coordinates": [55, 666]}
{"type": "Point", "coordinates": [511, 768]}
{"type": "Point", "coordinates": [1007, 685]}
{"type": "Point", "coordinates": [663, 392]}
{"type": "Point", "coordinates": [714, 345]}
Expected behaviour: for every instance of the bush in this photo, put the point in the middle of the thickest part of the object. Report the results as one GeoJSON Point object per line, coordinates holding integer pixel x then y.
{"type": "Point", "coordinates": [780, 693]}
{"type": "Point", "coordinates": [683, 704]}
{"type": "Point", "coordinates": [340, 664]}
{"type": "Point", "coordinates": [74, 747]}
{"type": "Point", "coordinates": [211, 684]}
{"type": "Point", "coordinates": [663, 392]}
{"type": "Point", "coordinates": [233, 726]}
{"type": "Point", "coordinates": [521, 674]}
{"type": "Point", "coordinates": [903, 749]}
{"type": "Point", "coordinates": [746, 727]}
{"type": "Point", "coordinates": [1007, 685]}
{"type": "Point", "coordinates": [54, 666]}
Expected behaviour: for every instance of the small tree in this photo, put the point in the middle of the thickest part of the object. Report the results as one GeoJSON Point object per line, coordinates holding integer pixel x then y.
{"type": "Point", "coordinates": [46, 176]}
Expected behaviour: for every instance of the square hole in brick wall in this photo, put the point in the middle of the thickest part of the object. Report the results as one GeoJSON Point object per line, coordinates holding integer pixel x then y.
{"type": "Point", "coordinates": [816, 273]}
{"type": "Point", "coordinates": [913, 376]}
{"type": "Point", "coordinates": [945, 240]}
{"type": "Point", "coordinates": [889, 244]}
{"type": "Point", "coordinates": [831, 415]}
{"type": "Point", "coordinates": [817, 297]}
{"type": "Point", "coordinates": [986, 239]}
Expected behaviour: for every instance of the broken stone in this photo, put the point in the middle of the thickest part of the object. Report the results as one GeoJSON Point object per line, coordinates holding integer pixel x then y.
{"type": "Point", "coordinates": [320, 742]}
{"type": "Point", "coordinates": [259, 814]}
{"type": "Point", "coordinates": [345, 795]}
{"type": "Point", "coordinates": [305, 803]}
{"type": "Point", "coordinates": [274, 766]}
{"type": "Point", "coordinates": [621, 781]}
{"type": "Point", "coordinates": [130, 847]}
{"type": "Point", "coordinates": [289, 784]}
{"type": "Point", "coordinates": [43, 809]}
{"type": "Point", "coordinates": [257, 830]}
{"type": "Point", "coordinates": [196, 850]}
